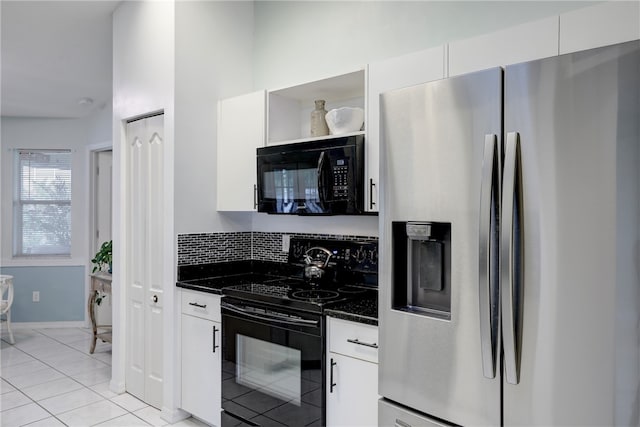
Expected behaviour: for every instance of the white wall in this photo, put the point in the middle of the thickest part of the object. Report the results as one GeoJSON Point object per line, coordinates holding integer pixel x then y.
{"type": "Point", "coordinates": [214, 45]}
{"type": "Point", "coordinates": [143, 82]}
{"type": "Point", "coordinates": [73, 134]}
{"type": "Point", "coordinates": [61, 281]}
{"type": "Point", "coordinates": [179, 57]}
{"type": "Point", "coordinates": [305, 40]}
{"type": "Point", "coordinates": [296, 42]}
{"type": "Point", "coordinates": [100, 125]}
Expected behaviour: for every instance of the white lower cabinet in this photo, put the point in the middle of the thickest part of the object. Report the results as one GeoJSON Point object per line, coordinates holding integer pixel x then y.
{"type": "Point", "coordinates": [201, 356]}
{"type": "Point", "coordinates": [352, 374]}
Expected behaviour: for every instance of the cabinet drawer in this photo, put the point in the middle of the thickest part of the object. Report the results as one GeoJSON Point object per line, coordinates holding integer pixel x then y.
{"type": "Point", "coordinates": [200, 304]}
{"type": "Point", "coordinates": [353, 339]}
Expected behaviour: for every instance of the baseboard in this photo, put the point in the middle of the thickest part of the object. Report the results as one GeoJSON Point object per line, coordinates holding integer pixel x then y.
{"type": "Point", "coordinates": [45, 325]}
{"type": "Point", "coordinates": [117, 386]}
{"type": "Point", "coordinates": [173, 415]}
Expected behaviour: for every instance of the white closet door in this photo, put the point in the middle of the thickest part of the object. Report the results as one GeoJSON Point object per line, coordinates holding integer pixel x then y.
{"type": "Point", "coordinates": [144, 290]}
{"type": "Point", "coordinates": [136, 255]}
{"type": "Point", "coordinates": [154, 262]}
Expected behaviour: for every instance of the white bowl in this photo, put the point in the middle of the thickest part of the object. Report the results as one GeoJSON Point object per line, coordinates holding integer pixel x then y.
{"type": "Point", "coordinates": [344, 120]}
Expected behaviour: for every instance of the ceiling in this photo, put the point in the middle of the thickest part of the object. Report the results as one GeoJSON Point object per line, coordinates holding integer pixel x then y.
{"type": "Point", "coordinates": [53, 55]}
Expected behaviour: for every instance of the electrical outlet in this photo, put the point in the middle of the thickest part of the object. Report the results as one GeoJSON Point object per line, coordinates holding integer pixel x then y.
{"type": "Point", "coordinates": [36, 296]}
{"type": "Point", "coordinates": [286, 241]}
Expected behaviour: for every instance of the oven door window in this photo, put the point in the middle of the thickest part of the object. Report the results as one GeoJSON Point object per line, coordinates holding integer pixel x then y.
{"type": "Point", "coordinates": [271, 375]}
{"type": "Point", "coordinates": [271, 368]}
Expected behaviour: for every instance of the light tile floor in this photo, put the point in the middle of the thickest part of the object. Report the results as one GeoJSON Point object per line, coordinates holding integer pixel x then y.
{"type": "Point", "coordinates": [49, 379]}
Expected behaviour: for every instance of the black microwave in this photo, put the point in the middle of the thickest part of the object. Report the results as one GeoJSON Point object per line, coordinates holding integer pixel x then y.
{"type": "Point", "coordinates": [322, 177]}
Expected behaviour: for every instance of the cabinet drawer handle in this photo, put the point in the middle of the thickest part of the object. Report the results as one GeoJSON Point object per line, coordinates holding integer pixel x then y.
{"type": "Point", "coordinates": [195, 304]}
{"type": "Point", "coordinates": [366, 344]}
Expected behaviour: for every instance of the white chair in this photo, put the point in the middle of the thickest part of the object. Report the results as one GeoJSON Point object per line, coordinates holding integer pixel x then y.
{"type": "Point", "coordinates": [6, 295]}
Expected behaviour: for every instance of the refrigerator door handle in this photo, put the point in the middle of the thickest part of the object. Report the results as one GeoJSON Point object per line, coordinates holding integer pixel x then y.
{"type": "Point", "coordinates": [488, 256]}
{"type": "Point", "coordinates": [511, 259]}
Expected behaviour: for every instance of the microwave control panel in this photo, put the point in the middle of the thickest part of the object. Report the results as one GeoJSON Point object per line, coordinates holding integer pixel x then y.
{"type": "Point", "coordinates": [340, 171]}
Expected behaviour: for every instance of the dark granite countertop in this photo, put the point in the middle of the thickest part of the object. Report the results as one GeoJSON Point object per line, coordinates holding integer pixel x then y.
{"type": "Point", "coordinates": [214, 285]}
{"type": "Point", "coordinates": [362, 310]}
{"type": "Point", "coordinates": [212, 278]}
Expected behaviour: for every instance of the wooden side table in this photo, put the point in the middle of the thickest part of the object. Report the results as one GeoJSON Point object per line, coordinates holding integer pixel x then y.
{"type": "Point", "coordinates": [100, 282]}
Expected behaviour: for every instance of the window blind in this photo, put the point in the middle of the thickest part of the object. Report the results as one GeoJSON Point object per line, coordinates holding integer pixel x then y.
{"type": "Point", "coordinates": [42, 215]}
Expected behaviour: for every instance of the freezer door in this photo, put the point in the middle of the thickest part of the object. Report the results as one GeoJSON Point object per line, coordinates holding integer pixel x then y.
{"type": "Point", "coordinates": [434, 139]}
{"type": "Point", "coordinates": [576, 118]}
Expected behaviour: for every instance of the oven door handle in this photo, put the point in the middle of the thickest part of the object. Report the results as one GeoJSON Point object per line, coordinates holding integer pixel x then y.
{"type": "Point", "coordinates": [298, 322]}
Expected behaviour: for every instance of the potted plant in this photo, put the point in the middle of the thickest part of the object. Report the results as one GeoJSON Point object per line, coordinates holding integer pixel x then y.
{"type": "Point", "coordinates": [103, 257]}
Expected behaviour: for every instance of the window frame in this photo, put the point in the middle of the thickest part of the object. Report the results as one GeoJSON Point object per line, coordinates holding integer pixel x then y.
{"type": "Point", "coordinates": [18, 251]}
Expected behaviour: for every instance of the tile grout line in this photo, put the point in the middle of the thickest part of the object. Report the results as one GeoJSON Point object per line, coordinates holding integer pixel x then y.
{"type": "Point", "coordinates": [65, 375]}
{"type": "Point", "coordinates": [55, 416]}
{"type": "Point", "coordinates": [40, 333]}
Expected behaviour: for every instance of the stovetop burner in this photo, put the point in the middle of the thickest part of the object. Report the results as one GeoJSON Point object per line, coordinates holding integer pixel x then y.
{"type": "Point", "coordinates": [289, 292]}
{"type": "Point", "coordinates": [315, 295]}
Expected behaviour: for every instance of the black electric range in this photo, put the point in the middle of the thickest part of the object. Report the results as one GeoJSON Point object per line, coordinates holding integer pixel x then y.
{"type": "Point", "coordinates": [351, 270]}
{"type": "Point", "coordinates": [273, 331]}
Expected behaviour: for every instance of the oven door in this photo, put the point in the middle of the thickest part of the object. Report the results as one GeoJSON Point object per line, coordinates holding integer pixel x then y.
{"type": "Point", "coordinates": [272, 369]}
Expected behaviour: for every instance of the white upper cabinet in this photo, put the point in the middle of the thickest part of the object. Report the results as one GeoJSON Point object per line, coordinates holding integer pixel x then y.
{"type": "Point", "coordinates": [241, 126]}
{"type": "Point", "coordinates": [393, 73]}
{"type": "Point", "coordinates": [289, 109]}
{"type": "Point", "coordinates": [526, 42]}
{"type": "Point", "coordinates": [600, 25]}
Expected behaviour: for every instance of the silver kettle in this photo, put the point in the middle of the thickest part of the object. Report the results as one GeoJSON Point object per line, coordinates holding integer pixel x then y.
{"type": "Point", "coordinates": [315, 266]}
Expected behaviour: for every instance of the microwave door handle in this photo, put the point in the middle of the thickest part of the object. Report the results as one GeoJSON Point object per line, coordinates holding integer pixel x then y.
{"type": "Point", "coordinates": [321, 184]}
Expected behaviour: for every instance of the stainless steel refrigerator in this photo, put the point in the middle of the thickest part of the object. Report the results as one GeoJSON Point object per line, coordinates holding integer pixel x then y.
{"type": "Point", "coordinates": [510, 245]}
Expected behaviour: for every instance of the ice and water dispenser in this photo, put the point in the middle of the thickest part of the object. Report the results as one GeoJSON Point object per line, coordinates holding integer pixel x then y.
{"type": "Point", "coordinates": [422, 268]}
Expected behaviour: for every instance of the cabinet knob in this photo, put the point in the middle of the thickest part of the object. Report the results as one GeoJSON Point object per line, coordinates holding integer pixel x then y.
{"type": "Point", "coordinates": [154, 298]}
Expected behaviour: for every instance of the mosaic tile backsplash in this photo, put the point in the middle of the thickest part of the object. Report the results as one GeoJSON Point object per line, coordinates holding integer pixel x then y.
{"type": "Point", "coordinates": [205, 248]}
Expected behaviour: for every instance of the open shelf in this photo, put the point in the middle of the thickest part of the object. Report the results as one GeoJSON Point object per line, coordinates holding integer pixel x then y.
{"type": "Point", "coordinates": [289, 109]}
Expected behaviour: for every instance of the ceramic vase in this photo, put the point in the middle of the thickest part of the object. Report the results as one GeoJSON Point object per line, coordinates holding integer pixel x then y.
{"type": "Point", "coordinates": [318, 123]}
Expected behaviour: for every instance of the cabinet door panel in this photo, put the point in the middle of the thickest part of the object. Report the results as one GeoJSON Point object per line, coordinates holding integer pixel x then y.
{"type": "Point", "coordinates": [241, 127]}
{"type": "Point", "coordinates": [393, 73]}
{"type": "Point", "coordinates": [526, 42]}
{"type": "Point", "coordinates": [201, 365]}
{"type": "Point", "coordinates": [599, 25]}
{"type": "Point", "coordinates": [353, 400]}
